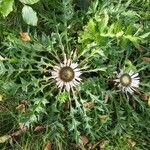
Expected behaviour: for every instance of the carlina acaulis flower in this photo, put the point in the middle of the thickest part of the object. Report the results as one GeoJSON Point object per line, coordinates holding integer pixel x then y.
{"type": "Point", "coordinates": [127, 82]}
{"type": "Point", "coordinates": [66, 74]}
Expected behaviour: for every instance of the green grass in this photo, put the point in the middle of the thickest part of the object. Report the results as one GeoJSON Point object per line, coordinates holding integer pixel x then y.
{"type": "Point", "coordinates": [105, 36]}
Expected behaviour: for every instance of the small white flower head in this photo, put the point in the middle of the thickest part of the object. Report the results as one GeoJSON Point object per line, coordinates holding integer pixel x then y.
{"type": "Point", "coordinates": [127, 82]}
{"type": "Point", "coordinates": [66, 74]}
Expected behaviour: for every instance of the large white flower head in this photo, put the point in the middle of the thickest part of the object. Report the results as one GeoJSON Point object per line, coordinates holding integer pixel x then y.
{"type": "Point", "coordinates": [66, 74]}
{"type": "Point", "coordinates": [127, 82]}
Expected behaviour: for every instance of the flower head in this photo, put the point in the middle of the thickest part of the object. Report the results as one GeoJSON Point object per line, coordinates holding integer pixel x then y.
{"type": "Point", "coordinates": [66, 74]}
{"type": "Point", "coordinates": [127, 82]}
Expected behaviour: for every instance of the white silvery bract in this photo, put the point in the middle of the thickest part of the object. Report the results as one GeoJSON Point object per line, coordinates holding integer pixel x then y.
{"type": "Point", "coordinates": [127, 82]}
{"type": "Point", "coordinates": [66, 74]}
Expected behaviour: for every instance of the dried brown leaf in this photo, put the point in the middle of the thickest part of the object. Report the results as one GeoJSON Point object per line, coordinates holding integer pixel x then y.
{"type": "Point", "coordinates": [48, 146]}
{"type": "Point", "coordinates": [88, 105]}
{"type": "Point", "coordinates": [39, 128]}
{"type": "Point", "coordinates": [106, 99]}
{"type": "Point", "coordinates": [131, 142]}
{"type": "Point", "coordinates": [25, 36]}
{"type": "Point", "coordinates": [133, 103]}
{"type": "Point", "coordinates": [141, 48]}
{"type": "Point", "coordinates": [146, 59]}
{"type": "Point", "coordinates": [100, 145]}
{"type": "Point", "coordinates": [66, 105]}
{"type": "Point", "coordinates": [24, 102]}
{"type": "Point", "coordinates": [95, 145]}
{"type": "Point", "coordinates": [23, 127]}
{"type": "Point", "coordinates": [144, 96]}
{"type": "Point", "coordinates": [16, 134]}
{"type": "Point", "coordinates": [103, 144]}
{"type": "Point", "coordinates": [84, 140]}
{"type": "Point", "coordinates": [20, 107]}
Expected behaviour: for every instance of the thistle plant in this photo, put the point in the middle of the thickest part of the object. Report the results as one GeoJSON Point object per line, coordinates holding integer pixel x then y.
{"type": "Point", "coordinates": [128, 82]}
{"type": "Point", "coordinates": [67, 74]}
{"type": "Point", "coordinates": [69, 80]}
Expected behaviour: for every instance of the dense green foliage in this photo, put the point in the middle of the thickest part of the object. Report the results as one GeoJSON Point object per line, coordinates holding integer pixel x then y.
{"type": "Point", "coordinates": [106, 36]}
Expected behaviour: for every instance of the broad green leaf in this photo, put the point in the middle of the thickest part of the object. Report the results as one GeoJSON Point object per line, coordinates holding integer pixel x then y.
{"type": "Point", "coordinates": [6, 6]}
{"type": "Point", "coordinates": [29, 15]}
{"type": "Point", "coordinates": [30, 2]}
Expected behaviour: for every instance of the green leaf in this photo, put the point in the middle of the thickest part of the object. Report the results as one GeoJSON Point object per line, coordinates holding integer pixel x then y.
{"type": "Point", "coordinates": [2, 69]}
{"type": "Point", "coordinates": [1, 58]}
{"type": "Point", "coordinates": [91, 25]}
{"type": "Point", "coordinates": [6, 6]}
{"type": "Point", "coordinates": [145, 35]}
{"type": "Point", "coordinates": [30, 2]}
{"type": "Point", "coordinates": [128, 66]}
{"type": "Point", "coordinates": [134, 39]}
{"type": "Point", "coordinates": [33, 118]}
{"type": "Point", "coordinates": [104, 21]}
{"type": "Point", "coordinates": [63, 97]}
{"type": "Point", "coordinates": [29, 15]}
